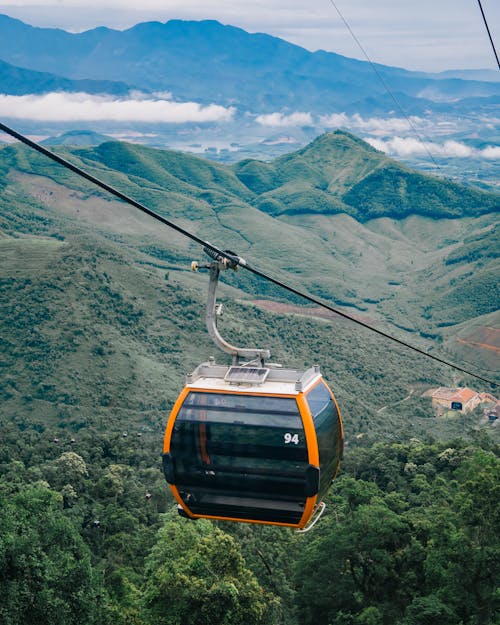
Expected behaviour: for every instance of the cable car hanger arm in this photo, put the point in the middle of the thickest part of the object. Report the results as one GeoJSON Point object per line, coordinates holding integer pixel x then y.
{"type": "Point", "coordinates": [213, 310]}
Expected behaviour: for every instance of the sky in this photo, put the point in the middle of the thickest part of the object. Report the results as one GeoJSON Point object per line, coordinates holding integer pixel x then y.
{"type": "Point", "coordinates": [427, 35]}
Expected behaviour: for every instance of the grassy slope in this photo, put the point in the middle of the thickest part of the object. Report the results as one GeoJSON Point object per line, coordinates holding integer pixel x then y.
{"type": "Point", "coordinates": [95, 337]}
{"type": "Point", "coordinates": [383, 268]}
{"type": "Point", "coordinates": [186, 187]}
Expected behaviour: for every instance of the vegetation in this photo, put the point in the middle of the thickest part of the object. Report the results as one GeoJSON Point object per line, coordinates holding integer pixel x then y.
{"type": "Point", "coordinates": [377, 253]}
{"type": "Point", "coordinates": [100, 321]}
{"type": "Point", "coordinates": [403, 546]}
{"type": "Point", "coordinates": [45, 566]}
{"type": "Point", "coordinates": [338, 173]}
{"type": "Point", "coordinates": [409, 537]}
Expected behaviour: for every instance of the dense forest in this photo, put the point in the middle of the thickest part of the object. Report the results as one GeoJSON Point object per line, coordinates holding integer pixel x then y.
{"type": "Point", "coordinates": [89, 535]}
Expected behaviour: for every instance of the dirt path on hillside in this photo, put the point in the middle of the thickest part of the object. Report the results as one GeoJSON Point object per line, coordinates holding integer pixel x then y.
{"type": "Point", "coordinates": [492, 348]}
{"type": "Point", "coordinates": [307, 311]}
{"type": "Point", "coordinates": [396, 403]}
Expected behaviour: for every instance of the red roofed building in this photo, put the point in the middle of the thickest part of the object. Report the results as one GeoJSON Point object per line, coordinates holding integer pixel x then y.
{"type": "Point", "coordinates": [462, 399]}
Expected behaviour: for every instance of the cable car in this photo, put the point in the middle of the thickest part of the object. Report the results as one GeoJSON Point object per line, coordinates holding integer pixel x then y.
{"type": "Point", "coordinates": [251, 441]}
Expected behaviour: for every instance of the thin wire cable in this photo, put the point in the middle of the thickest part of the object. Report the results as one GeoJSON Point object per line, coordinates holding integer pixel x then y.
{"type": "Point", "coordinates": [489, 34]}
{"type": "Point", "coordinates": [230, 256]}
{"type": "Point", "coordinates": [366, 325]}
{"type": "Point", "coordinates": [385, 85]}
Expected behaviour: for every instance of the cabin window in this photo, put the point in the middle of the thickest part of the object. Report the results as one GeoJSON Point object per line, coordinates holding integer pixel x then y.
{"type": "Point", "coordinates": [241, 456]}
{"type": "Point", "coordinates": [328, 432]}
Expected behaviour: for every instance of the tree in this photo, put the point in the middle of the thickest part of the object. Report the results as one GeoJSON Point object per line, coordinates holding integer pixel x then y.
{"type": "Point", "coordinates": [429, 610]}
{"type": "Point", "coordinates": [196, 575]}
{"type": "Point", "coordinates": [463, 563]}
{"type": "Point", "coordinates": [45, 570]}
{"type": "Point", "coordinates": [357, 561]}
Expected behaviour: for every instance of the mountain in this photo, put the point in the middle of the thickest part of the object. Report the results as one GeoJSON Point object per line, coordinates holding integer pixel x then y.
{"type": "Point", "coordinates": [471, 74]}
{"type": "Point", "coordinates": [209, 62]}
{"type": "Point", "coordinates": [20, 81]}
{"type": "Point", "coordinates": [298, 215]}
{"type": "Point", "coordinates": [338, 173]}
{"type": "Point", "coordinates": [77, 137]}
{"type": "Point", "coordinates": [101, 316]}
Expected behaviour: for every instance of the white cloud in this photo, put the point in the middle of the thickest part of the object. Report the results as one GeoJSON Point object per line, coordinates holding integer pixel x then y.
{"type": "Point", "coordinates": [405, 147]}
{"type": "Point", "coordinates": [491, 151]}
{"type": "Point", "coordinates": [280, 120]}
{"type": "Point", "coordinates": [374, 125]}
{"type": "Point", "coordinates": [85, 107]}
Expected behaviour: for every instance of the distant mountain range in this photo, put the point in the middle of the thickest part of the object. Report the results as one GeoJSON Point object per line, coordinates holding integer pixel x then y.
{"type": "Point", "coordinates": [19, 81]}
{"type": "Point", "coordinates": [209, 62]}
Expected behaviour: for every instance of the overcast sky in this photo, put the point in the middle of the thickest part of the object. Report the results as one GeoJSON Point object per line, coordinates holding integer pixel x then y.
{"type": "Point", "coordinates": [429, 35]}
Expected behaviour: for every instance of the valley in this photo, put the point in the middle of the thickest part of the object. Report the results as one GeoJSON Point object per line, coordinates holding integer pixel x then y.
{"type": "Point", "coordinates": [377, 268]}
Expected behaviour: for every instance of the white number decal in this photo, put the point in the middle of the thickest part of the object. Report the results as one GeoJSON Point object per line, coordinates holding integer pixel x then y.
{"type": "Point", "coordinates": [291, 438]}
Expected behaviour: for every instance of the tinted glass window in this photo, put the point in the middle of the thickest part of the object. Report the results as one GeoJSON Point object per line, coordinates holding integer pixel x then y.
{"type": "Point", "coordinates": [240, 456]}
{"type": "Point", "coordinates": [328, 431]}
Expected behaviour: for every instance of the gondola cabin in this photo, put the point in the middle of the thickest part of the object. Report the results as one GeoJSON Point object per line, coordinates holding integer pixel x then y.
{"type": "Point", "coordinates": [252, 444]}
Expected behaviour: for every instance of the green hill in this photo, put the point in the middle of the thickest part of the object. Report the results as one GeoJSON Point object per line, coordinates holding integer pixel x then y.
{"type": "Point", "coordinates": [379, 266]}
{"type": "Point", "coordinates": [76, 138]}
{"type": "Point", "coordinates": [100, 319]}
{"type": "Point", "coordinates": [339, 173]}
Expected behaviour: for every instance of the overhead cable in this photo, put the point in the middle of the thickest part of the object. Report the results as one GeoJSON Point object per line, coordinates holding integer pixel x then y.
{"type": "Point", "coordinates": [230, 256]}
{"type": "Point", "coordinates": [488, 31]}
{"type": "Point", "coordinates": [385, 85]}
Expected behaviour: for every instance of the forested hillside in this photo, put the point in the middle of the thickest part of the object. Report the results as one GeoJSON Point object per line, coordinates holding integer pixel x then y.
{"type": "Point", "coordinates": [337, 219]}
{"type": "Point", "coordinates": [89, 535]}
{"type": "Point", "coordinates": [100, 319]}
{"type": "Point", "coordinates": [338, 173]}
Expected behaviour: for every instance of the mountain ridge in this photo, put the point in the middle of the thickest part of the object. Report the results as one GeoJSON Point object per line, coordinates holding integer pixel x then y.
{"type": "Point", "coordinates": [336, 170]}
{"type": "Point", "coordinates": [366, 260]}
{"type": "Point", "coordinates": [363, 176]}
{"type": "Point", "coordinates": [20, 81]}
{"type": "Point", "coordinates": [255, 72]}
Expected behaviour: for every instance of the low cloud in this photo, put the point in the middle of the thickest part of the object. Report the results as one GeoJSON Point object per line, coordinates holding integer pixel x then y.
{"type": "Point", "coordinates": [405, 147]}
{"type": "Point", "coordinates": [491, 151]}
{"type": "Point", "coordinates": [378, 126]}
{"type": "Point", "coordinates": [68, 107]}
{"type": "Point", "coordinates": [387, 134]}
{"type": "Point", "coordinates": [280, 120]}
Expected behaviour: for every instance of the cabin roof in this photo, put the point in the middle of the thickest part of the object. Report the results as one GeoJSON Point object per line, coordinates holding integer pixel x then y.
{"type": "Point", "coordinates": [279, 381]}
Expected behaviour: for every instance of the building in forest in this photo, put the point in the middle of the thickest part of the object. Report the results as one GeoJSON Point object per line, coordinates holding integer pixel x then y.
{"type": "Point", "coordinates": [461, 399]}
